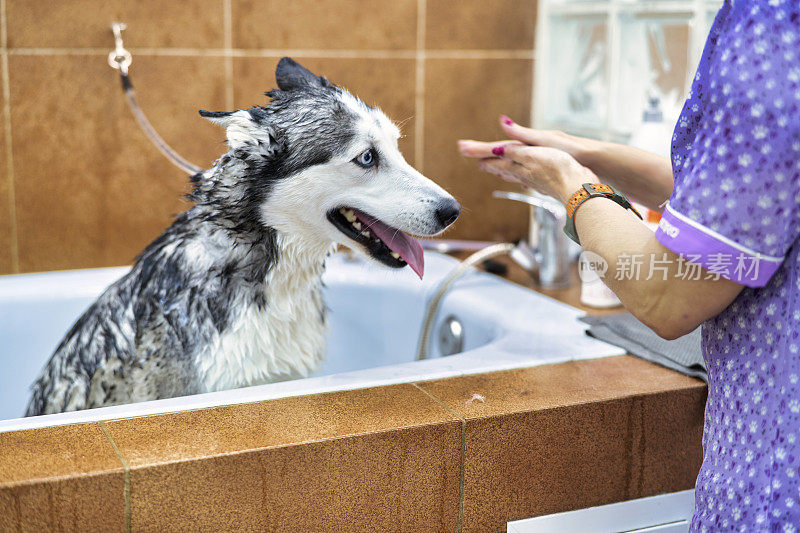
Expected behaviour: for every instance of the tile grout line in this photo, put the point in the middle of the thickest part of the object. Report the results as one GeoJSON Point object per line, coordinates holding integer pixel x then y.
{"type": "Point", "coordinates": [419, 87]}
{"type": "Point", "coordinates": [279, 52]}
{"type": "Point", "coordinates": [463, 454]}
{"type": "Point", "coordinates": [531, 98]}
{"type": "Point", "coordinates": [642, 446]}
{"type": "Point", "coordinates": [228, 33]}
{"type": "Point", "coordinates": [126, 477]}
{"type": "Point", "coordinates": [12, 197]}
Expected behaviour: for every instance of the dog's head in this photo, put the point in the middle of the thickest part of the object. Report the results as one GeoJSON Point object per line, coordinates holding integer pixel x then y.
{"type": "Point", "coordinates": [324, 166]}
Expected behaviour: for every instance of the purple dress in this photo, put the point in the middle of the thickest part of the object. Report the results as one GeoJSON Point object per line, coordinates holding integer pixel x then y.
{"type": "Point", "coordinates": [735, 209]}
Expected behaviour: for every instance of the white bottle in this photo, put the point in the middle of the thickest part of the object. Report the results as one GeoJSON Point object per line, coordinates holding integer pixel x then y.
{"type": "Point", "coordinates": [594, 291]}
{"type": "Point", "coordinates": [653, 135]}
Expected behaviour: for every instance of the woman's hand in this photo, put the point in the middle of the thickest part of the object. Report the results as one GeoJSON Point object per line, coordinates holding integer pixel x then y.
{"type": "Point", "coordinates": [548, 170]}
{"type": "Point", "coordinates": [642, 176]}
{"type": "Point", "coordinates": [584, 150]}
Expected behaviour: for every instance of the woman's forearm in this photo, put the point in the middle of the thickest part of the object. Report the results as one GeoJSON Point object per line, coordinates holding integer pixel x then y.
{"type": "Point", "coordinates": [643, 176]}
{"type": "Point", "coordinates": [648, 278]}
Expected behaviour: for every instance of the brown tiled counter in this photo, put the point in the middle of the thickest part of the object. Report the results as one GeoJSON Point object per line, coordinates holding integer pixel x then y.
{"type": "Point", "coordinates": [560, 437]}
{"type": "Point", "coordinates": [64, 478]}
{"type": "Point", "coordinates": [465, 453]}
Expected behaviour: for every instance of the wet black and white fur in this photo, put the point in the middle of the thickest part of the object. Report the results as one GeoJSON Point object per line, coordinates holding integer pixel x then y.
{"type": "Point", "coordinates": [229, 295]}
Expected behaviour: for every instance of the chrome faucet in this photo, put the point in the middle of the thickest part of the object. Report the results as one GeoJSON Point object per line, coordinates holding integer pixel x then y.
{"type": "Point", "coordinates": [546, 253]}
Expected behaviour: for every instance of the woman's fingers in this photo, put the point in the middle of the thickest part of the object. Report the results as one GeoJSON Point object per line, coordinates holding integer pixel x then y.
{"type": "Point", "coordinates": [523, 134]}
{"type": "Point", "coordinates": [575, 146]}
{"type": "Point", "coordinates": [518, 153]}
{"type": "Point", "coordinates": [534, 157]}
{"type": "Point", "coordinates": [480, 149]}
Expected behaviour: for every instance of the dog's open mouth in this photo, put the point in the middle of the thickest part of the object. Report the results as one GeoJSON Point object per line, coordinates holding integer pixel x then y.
{"type": "Point", "coordinates": [386, 244]}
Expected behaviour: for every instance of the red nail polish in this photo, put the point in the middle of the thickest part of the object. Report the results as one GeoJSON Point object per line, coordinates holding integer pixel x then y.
{"type": "Point", "coordinates": [498, 150]}
{"type": "Point", "coordinates": [507, 121]}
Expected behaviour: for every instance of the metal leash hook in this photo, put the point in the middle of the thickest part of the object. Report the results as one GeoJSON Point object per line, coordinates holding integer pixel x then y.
{"type": "Point", "coordinates": [120, 59]}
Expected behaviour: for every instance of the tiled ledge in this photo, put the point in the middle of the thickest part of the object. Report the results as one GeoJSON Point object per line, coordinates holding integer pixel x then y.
{"type": "Point", "coordinates": [461, 453]}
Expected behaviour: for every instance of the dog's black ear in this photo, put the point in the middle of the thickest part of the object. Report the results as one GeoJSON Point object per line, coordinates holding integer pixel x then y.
{"type": "Point", "coordinates": [222, 118]}
{"type": "Point", "coordinates": [291, 75]}
{"type": "Point", "coordinates": [211, 115]}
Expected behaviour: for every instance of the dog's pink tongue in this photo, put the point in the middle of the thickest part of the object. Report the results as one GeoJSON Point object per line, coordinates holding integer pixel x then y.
{"type": "Point", "coordinates": [408, 247]}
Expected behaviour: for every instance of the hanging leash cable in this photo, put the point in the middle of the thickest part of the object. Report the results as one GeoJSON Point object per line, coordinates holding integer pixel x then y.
{"type": "Point", "coordinates": [121, 59]}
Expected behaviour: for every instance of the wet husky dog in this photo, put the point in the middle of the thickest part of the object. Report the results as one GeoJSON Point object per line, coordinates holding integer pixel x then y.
{"type": "Point", "coordinates": [229, 295]}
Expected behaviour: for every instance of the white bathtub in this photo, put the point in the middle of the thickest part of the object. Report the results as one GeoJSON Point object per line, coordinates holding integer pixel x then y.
{"type": "Point", "coordinates": [375, 319]}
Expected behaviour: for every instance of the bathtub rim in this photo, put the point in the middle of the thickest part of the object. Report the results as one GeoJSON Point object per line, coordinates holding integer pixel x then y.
{"type": "Point", "coordinates": [503, 353]}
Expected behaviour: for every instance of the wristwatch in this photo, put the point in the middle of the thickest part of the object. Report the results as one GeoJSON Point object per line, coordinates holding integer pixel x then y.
{"type": "Point", "coordinates": [592, 190]}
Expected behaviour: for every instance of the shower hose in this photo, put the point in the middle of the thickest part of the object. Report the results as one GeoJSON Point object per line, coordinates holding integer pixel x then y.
{"type": "Point", "coordinates": [121, 59]}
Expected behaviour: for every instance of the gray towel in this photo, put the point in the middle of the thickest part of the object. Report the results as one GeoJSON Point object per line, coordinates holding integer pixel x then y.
{"type": "Point", "coordinates": [626, 331]}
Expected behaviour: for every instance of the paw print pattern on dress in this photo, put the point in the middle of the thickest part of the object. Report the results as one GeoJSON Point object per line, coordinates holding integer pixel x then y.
{"type": "Point", "coordinates": [736, 160]}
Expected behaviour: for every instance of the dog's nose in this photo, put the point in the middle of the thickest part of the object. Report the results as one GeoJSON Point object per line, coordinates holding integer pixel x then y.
{"type": "Point", "coordinates": [447, 212]}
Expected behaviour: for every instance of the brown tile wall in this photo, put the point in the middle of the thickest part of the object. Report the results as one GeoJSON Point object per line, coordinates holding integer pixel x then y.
{"type": "Point", "coordinates": [85, 188]}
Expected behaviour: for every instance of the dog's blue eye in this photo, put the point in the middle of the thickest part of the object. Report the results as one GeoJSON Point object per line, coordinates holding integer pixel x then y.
{"type": "Point", "coordinates": [367, 159]}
